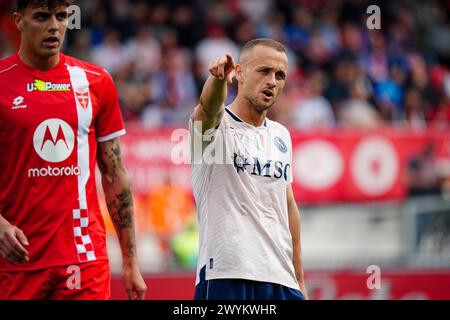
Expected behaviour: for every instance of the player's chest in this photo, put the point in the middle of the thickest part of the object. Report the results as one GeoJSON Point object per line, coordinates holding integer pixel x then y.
{"type": "Point", "coordinates": [261, 143]}
{"type": "Point", "coordinates": [33, 101]}
{"type": "Point", "coordinates": [260, 153]}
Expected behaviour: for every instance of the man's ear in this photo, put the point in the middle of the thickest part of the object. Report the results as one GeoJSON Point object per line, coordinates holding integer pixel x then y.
{"type": "Point", "coordinates": [238, 72]}
{"type": "Point", "coordinates": [18, 19]}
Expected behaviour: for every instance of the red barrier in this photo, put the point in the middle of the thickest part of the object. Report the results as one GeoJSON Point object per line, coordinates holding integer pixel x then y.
{"type": "Point", "coordinates": [329, 285]}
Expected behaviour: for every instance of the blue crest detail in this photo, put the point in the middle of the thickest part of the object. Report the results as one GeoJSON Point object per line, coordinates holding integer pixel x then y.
{"type": "Point", "coordinates": [280, 144]}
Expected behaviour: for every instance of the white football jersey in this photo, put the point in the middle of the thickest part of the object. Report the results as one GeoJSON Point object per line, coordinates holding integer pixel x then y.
{"type": "Point", "coordinates": [239, 176]}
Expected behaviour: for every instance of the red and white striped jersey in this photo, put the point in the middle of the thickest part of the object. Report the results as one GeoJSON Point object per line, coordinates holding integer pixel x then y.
{"type": "Point", "coordinates": [50, 124]}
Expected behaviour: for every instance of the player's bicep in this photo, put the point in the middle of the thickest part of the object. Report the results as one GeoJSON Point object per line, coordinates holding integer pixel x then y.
{"type": "Point", "coordinates": [109, 158]}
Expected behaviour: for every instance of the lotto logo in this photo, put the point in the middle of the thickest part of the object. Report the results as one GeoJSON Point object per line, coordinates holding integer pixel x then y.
{"type": "Point", "coordinates": [18, 103]}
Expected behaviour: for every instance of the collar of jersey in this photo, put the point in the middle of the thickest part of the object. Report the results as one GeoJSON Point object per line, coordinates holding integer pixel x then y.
{"type": "Point", "coordinates": [237, 119]}
{"type": "Point", "coordinates": [37, 71]}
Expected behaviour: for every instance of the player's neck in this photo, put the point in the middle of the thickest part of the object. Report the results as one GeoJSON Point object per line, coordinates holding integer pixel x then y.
{"type": "Point", "coordinates": [37, 62]}
{"type": "Point", "coordinates": [247, 113]}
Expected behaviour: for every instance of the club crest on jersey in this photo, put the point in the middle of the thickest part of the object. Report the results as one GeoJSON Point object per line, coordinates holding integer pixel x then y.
{"type": "Point", "coordinates": [83, 98]}
{"type": "Point", "coordinates": [279, 143]}
{"type": "Point", "coordinates": [43, 86]}
{"type": "Point", "coordinates": [240, 162]}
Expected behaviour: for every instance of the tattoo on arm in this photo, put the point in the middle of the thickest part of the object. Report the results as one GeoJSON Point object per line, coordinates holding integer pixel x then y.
{"type": "Point", "coordinates": [102, 165]}
{"type": "Point", "coordinates": [119, 198]}
{"type": "Point", "coordinates": [110, 162]}
{"type": "Point", "coordinates": [131, 245]}
{"type": "Point", "coordinates": [120, 209]}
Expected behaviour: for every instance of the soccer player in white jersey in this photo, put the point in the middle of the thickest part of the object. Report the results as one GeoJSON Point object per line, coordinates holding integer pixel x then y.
{"type": "Point", "coordinates": [241, 168]}
{"type": "Point", "coordinates": [58, 115]}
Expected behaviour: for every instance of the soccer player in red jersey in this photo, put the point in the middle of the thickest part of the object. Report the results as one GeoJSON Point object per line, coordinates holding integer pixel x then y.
{"type": "Point", "coordinates": [58, 116]}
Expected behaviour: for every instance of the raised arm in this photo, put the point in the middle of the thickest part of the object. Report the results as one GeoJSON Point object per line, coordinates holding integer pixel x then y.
{"type": "Point", "coordinates": [119, 199]}
{"type": "Point", "coordinates": [211, 106]}
{"type": "Point", "coordinates": [295, 228]}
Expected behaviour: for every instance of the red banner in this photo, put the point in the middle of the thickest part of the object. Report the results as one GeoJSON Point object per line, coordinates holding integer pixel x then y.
{"type": "Point", "coordinates": [322, 285]}
{"type": "Point", "coordinates": [353, 166]}
{"type": "Point", "coordinates": [334, 166]}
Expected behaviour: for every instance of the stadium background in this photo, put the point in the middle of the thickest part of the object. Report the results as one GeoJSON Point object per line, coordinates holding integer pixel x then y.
{"type": "Point", "coordinates": [368, 110]}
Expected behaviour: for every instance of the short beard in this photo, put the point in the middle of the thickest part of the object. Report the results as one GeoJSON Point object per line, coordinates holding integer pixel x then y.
{"type": "Point", "coordinates": [257, 106]}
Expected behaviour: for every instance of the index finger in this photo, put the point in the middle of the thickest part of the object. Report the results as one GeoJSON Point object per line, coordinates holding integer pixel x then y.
{"type": "Point", "coordinates": [230, 60]}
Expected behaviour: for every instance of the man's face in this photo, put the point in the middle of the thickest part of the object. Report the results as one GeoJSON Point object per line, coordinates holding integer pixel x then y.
{"type": "Point", "coordinates": [42, 30]}
{"type": "Point", "coordinates": [262, 75]}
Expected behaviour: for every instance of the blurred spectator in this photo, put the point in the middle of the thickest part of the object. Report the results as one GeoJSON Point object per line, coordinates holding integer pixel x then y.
{"type": "Point", "coordinates": [187, 24]}
{"type": "Point", "coordinates": [414, 114]}
{"type": "Point", "coordinates": [358, 112]}
{"type": "Point", "coordinates": [81, 47]}
{"type": "Point", "coordinates": [255, 10]}
{"type": "Point", "coordinates": [422, 175]}
{"type": "Point", "coordinates": [110, 54]}
{"type": "Point", "coordinates": [298, 33]}
{"type": "Point", "coordinates": [389, 94]}
{"type": "Point", "coordinates": [440, 116]}
{"type": "Point", "coordinates": [272, 27]}
{"type": "Point", "coordinates": [314, 111]}
{"type": "Point", "coordinates": [245, 31]}
{"type": "Point", "coordinates": [145, 52]}
{"type": "Point", "coordinates": [174, 90]}
{"type": "Point", "coordinates": [212, 46]}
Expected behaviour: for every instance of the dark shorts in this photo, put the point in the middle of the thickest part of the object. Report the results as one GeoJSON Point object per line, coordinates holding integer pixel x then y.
{"type": "Point", "coordinates": [241, 289]}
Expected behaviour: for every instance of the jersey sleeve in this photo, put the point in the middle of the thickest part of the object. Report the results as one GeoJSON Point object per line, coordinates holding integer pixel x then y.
{"type": "Point", "coordinates": [200, 142]}
{"type": "Point", "coordinates": [109, 123]}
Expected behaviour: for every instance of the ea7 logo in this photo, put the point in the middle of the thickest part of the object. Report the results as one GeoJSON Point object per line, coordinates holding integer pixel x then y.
{"type": "Point", "coordinates": [374, 20]}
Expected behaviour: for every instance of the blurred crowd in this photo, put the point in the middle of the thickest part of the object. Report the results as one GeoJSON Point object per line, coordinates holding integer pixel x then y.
{"type": "Point", "coordinates": [341, 73]}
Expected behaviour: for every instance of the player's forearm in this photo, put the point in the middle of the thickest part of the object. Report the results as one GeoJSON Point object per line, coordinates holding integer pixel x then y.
{"type": "Point", "coordinates": [294, 226]}
{"type": "Point", "coordinates": [118, 196]}
{"type": "Point", "coordinates": [213, 95]}
{"type": "Point", "coordinates": [119, 200]}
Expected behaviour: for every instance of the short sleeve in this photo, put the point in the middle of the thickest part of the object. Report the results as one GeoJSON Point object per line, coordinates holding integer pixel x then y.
{"type": "Point", "coordinates": [200, 142]}
{"type": "Point", "coordinates": [109, 123]}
